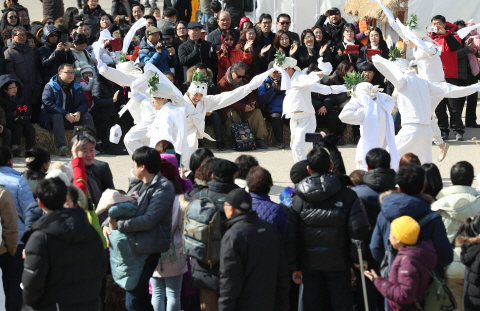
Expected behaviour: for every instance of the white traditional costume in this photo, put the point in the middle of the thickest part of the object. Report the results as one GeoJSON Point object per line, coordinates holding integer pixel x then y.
{"type": "Point", "coordinates": [414, 102]}
{"type": "Point", "coordinates": [371, 110]}
{"type": "Point", "coordinates": [298, 107]}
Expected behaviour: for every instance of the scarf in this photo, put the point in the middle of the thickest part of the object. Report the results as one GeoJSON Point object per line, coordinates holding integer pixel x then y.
{"type": "Point", "coordinates": [67, 89]}
{"type": "Point", "coordinates": [346, 42]}
{"type": "Point", "coordinates": [233, 82]}
{"type": "Point", "coordinates": [229, 48]}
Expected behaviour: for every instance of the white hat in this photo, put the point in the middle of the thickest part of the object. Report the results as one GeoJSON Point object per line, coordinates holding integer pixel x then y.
{"type": "Point", "coordinates": [115, 134]}
{"type": "Point", "coordinates": [198, 87]}
{"type": "Point", "coordinates": [288, 62]}
{"type": "Point", "coordinates": [84, 67]}
{"type": "Point", "coordinates": [165, 91]}
{"type": "Point", "coordinates": [366, 88]}
{"type": "Point", "coordinates": [129, 68]}
{"type": "Point", "coordinates": [401, 63]}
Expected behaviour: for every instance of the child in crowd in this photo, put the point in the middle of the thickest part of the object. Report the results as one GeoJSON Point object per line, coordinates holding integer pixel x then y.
{"type": "Point", "coordinates": [87, 82]}
{"type": "Point", "coordinates": [156, 12]}
{"type": "Point", "coordinates": [410, 272]}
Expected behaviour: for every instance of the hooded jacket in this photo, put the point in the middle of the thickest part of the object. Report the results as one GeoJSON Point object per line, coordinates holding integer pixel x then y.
{"type": "Point", "coordinates": [471, 259]}
{"type": "Point", "coordinates": [258, 282]}
{"type": "Point", "coordinates": [450, 44]}
{"type": "Point", "coordinates": [269, 98]}
{"type": "Point", "coordinates": [52, 99]}
{"type": "Point", "coordinates": [324, 217]}
{"type": "Point", "coordinates": [22, 64]}
{"type": "Point", "coordinates": [93, 17]}
{"type": "Point", "coordinates": [455, 204]}
{"type": "Point", "coordinates": [64, 264]}
{"type": "Point", "coordinates": [49, 57]}
{"type": "Point", "coordinates": [409, 276]}
{"type": "Point", "coordinates": [396, 204]}
{"type": "Point", "coordinates": [163, 61]}
{"type": "Point", "coordinates": [10, 104]}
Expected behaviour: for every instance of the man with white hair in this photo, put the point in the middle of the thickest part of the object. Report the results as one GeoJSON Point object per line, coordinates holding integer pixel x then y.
{"type": "Point", "coordinates": [224, 23]}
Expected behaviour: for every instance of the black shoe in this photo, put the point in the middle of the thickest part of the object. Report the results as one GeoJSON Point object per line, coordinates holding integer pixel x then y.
{"type": "Point", "coordinates": [220, 146]}
{"type": "Point", "coordinates": [280, 145]}
{"type": "Point", "coordinates": [261, 144]}
{"type": "Point", "coordinates": [99, 148]}
{"type": "Point", "coordinates": [444, 135]}
{"type": "Point", "coordinates": [340, 141]}
{"type": "Point", "coordinates": [475, 126]}
{"type": "Point", "coordinates": [16, 153]}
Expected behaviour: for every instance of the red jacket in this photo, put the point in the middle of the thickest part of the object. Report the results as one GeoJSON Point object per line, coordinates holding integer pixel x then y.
{"type": "Point", "coordinates": [225, 62]}
{"type": "Point", "coordinates": [450, 44]}
{"type": "Point", "coordinates": [79, 174]}
{"type": "Point", "coordinates": [225, 86]}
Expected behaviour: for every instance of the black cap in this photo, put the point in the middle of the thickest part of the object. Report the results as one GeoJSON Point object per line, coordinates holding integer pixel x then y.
{"type": "Point", "coordinates": [299, 171]}
{"type": "Point", "coordinates": [239, 199]}
{"type": "Point", "coordinates": [193, 25]}
{"type": "Point", "coordinates": [168, 33]}
{"type": "Point", "coordinates": [224, 168]}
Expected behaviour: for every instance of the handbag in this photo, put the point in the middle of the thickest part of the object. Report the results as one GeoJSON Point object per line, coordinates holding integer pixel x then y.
{"type": "Point", "coordinates": [241, 134]}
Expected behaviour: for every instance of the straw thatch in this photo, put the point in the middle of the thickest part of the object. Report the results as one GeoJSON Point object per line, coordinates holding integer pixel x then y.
{"type": "Point", "coordinates": [364, 9]}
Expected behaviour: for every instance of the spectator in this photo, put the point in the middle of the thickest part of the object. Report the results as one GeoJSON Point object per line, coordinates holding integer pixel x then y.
{"type": "Point", "coordinates": [108, 98]}
{"type": "Point", "coordinates": [9, 19]}
{"type": "Point", "coordinates": [401, 289]}
{"type": "Point", "coordinates": [31, 41]}
{"type": "Point", "coordinates": [106, 22]}
{"type": "Point", "coordinates": [450, 43]}
{"type": "Point", "coordinates": [375, 41]}
{"type": "Point", "coordinates": [245, 280]}
{"type": "Point", "coordinates": [271, 97]}
{"type": "Point", "coordinates": [195, 51]}
{"type": "Point", "coordinates": [23, 18]}
{"type": "Point", "coordinates": [348, 39]}
{"type": "Point", "coordinates": [87, 82]}
{"type": "Point", "coordinates": [53, 53]}
{"type": "Point", "coordinates": [259, 183]}
{"type": "Point", "coordinates": [283, 23]}
{"type": "Point", "coordinates": [248, 107]}
{"type": "Point", "coordinates": [266, 35]}
{"type": "Point", "coordinates": [306, 53]}
{"type": "Point", "coordinates": [121, 12]}
{"type": "Point", "coordinates": [248, 42]}
{"type": "Point", "coordinates": [138, 11]}
{"type": "Point", "coordinates": [48, 20]}
{"type": "Point", "coordinates": [334, 29]}
{"type": "Point", "coordinates": [433, 180]}
{"type": "Point", "coordinates": [181, 31]}
{"type": "Point", "coordinates": [63, 98]}
{"type": "Point", "coordinates": [180, 36]}
{"type": "Point", "coordinates": [84, 28]}
{"type": "Point", "coordinates": [93, 10]}
{"type": "Point", "coordinates": [82, 57]}
{"type": "Point", "coordinates": [5, 133]}
{"type": "Point", "coordinates": [66, 236]}
{"type": "Point", "coordinates": [18, 113]}
{"type": "Point", "coordinates": [362, 29]}
{"type": "Point", "coordinates": [408, 200]}
{"type": "Point", "coordinates": [151, 50]}
{"type": "Point", "coordinates": [373, 76]}
{"type": "Point", "coordinates": [183, 7]}
{"type": "Point", "coordinates": [282, 42]}
{"type": "Point", "coordinates": [324, 46]}
{"type": "Point", "coordinates": [356, 177]}
{"type": "Point", "coordinates": [323, 262]}
{"type": "Point", "coordinates": [22, 65]}
{"type": "Point", "coordinates": [456, 204]}
{"type": "Point", "coordinates": [69, 20]}
{"type": "Point", "coordinates": [37, 32]}
{"type": "Point", "coordinates": [228, 54]}
{"type": "Point", "coordinates": [170, 17]}
{"type": "Point", "coordinates": [224, 23]}
{"type": "Point", "coordinates": [8, 217]}
{"type": "Point", "coordinates": [53, 8]}
{"type": "Point", "coordinates": [202, 176]}
{"type": "Point", "coordinates": [22, 195]}
{"type": "Point", "coordinates": [379, 178]}
{"type": "Point", "coordinates": [409, 158]}
{"type": "Point", "coordinates": [196, 160]}
{"type": "Point", "coordinates": [244, 22]}
{"type": "Point", "coordinates": [244, 163]}
{"type": "Point", "coordinates": [152, 224]}
{"type": "Point", "coordinates": [205, 277]}
{"type": "Point", "coordinates": [38, 161]}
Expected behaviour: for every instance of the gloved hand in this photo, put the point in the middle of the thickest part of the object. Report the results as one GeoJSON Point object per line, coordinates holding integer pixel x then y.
{"type": "Point", "coordinates": [213, 50]}
{"type": "Point", "coordinates": [197, 46]}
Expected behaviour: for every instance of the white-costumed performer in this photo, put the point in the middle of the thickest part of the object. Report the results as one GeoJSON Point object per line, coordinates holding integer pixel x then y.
{"type": "Point", "coordinates": [297, 105]}
{"type": "Point", "coordinates": [371, 110]}
{"type": "Point", "coordinates": [413, 100]}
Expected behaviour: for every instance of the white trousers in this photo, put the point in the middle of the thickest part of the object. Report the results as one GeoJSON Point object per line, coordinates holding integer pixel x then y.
{"type": "Point", "coordinates": [417, 139]}
{"type": "Point", "coordinates": [299, 125]}
{"type": "Point", "coordinates": [137, 137]}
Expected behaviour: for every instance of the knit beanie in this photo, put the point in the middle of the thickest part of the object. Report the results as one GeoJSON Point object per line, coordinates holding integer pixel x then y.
{"type": "Point", "coordinates": [86, 68]}
{"type": "Point", "coordinates": [405, 229]}
{"type": "Point", "coordinates": [299, 171]}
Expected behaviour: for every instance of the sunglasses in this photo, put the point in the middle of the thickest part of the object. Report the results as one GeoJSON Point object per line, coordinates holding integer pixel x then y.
{"type": "Point", "coordinates": [50, 23]}
{"type": "Point", "coordinates": [285, 23]}
{"type": "Point", "coordinates": [240, 77]}
{"type": "Point", "coordinates": [13, 17]}
{"type": "Point", "coordinates": [228, 39]}
{"type": "Point", "coordinates": [54, 35]}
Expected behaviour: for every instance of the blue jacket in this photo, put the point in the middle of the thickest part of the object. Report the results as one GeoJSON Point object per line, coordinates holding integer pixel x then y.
{"type": "Point", "coordinates": [162, 61]}
{"type": "Point", "coordinates": [32, 213]}
{"type": "Point", "coordinates": [269, 98]}
{"type": "Point", "coordinates": [269, 211]}
{"type": "Point", "coordinates": [18, 186]}
{"type": "Point", "coordinates": [395, 205]}
{"type": "Point", "coordinates": [52, 99]}
{"type": "Point", "coordinates": [126, 266]}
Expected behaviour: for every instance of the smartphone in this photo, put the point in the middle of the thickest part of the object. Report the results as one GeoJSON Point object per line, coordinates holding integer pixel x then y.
{"type": "Point", "coordinates": [333, 12]}
{"type": "Point", "coordinates": [315, 138]}
{"type": "Point", "coordinates": [63, 38]}
{"type": "Point", "coordinates": [470, 41]}
{"type": "Point", "coordinates": [78, 131]}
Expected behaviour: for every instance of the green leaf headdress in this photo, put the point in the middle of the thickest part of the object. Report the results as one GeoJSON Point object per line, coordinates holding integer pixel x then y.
{"type": "Point", "coordinates": [199, 77]}
{"type": "Point", "coordinates": [152, 83]}
{"type": "Point", "coordinates": [279, 58]}
{"type": "Point", "coordinates": [412, 22]}
{"type": "Point", "coordinates": [395, 53]}
{"type": "Point", "coordinates": [123, 57]}
{"type": "Point", "coordinates": [352, 79]}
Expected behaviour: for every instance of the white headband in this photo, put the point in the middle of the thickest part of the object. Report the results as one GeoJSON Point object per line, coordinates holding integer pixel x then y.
{"type": "Point", "coordinates": [165, 91]}
{"type": "Point", "coordinates": [197, 87]}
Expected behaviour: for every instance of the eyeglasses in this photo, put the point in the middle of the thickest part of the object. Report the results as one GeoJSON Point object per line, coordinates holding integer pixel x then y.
{"type": "Point", "coordinates": [54, 35]}
{"type": "Point", "coordinates": [285, 23]}
{"type": "Point", "coordinates": [69, 72]}
{"type": "Point", "coordinates": [267, 23]}
{"type": "Point", "coordinates": [309, 37]}
{"type": "Point", "coordinates": [150, 23]}
{"type": "Point", "coordinates": [239, 76]}
{"type": "Point", "coordinates": [181, 28]}
{"type": "Point", "coordinates": [13, 88]}
{"type": "Point", "coordinates": [228, 39]}
{"type": "Point", "coordinates": [20, 35]}
{"type": "Point", "coordinates": [13, 17]}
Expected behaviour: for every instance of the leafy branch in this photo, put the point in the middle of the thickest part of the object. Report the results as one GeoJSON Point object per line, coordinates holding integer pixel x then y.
{"type": "Point", "coordinates": [279, 58]}
{"type": "Point", "coordinates": [412, 21]}
{"type": "Point", "coordinates": [123, 57]}
{"type": "Point", "coordinates": [352, 79]}
{"type": "Point", "coordinates": [395, 53]}
{"type": "Point", "coordinates": [152, 83]}
{"type": "Point", "coordinates": [201, 78]}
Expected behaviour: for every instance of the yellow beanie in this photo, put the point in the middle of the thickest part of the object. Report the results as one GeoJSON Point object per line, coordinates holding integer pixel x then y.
{"type": "Point", "coordinates": [405, 229]}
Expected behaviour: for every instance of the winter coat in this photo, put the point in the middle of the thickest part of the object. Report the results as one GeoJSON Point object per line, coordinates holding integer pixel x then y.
{"type": "Point", "coordinates": [324, 217]}
{"type": "Point", "coordinates": [269, 211]}
{"type": "Point", "coordinates": [32, 213]}
{"type": "Point", "coordinates": [152, 225]}
{"type": "Point", "coordinates": [163, 61]}
{"type": "Point", "coordinates": [409, 276]}
{"type": "Point", "coordinates": [102, 94]}
{"type": "Point", "coordinates": [10, 104]}
{"type": "Point", "coordinates": [271, 100]}
{"type": "Point", "coordinates": [235, 55]}
{"type": "Point", "coordinates": [333, 32]}
{"type": "Point", "coordinates": [363, 56]}
{"type": "Point", "coordinates": [204, 276]}
{"type": "Point", "coordinates": [52, 99]}
{"type": "Point", "coordinates": [189, 56]}
{"type": "Point", "coordinates": [450, 43]}
{"type": "Point", "coordinates": [22, 64]}
{"type": "Point", "coordinates": [183, 7]}
{"type": "Point", "coordinates": [53, 8]}
{"type": "Point", "coordinates": [125, 264]}
{"type": "Point", "coordinates": [455, 204]}
{"type": "Point", "coordinates": [9, 218]}
{"type": "Point", "coordinates": [235, 8]}
{"type": "Point", "coordinates": [93, 18]}
{"type": "Point", "coordinates": [257, 64]}
{"type": "Point", "coordinates": [348, 57]}
{"type": "Point", "coordinates": [395, 205]}
{"type": "Point", "coordinates": [22, 195]}
{"type": "Point", "coordinates": [215, 36]}
{"type": "Point", "coordinates": [205, 6]}
{"type": "Point", "coordinates": [85, 58]}
{"type": "Point", "coordinates": [64, 264]}
{"type": "Point", "coordinates": [211, 90]}
{"type": "Point", "coordinates": [471, 259]}
{"type": "Point", "coordinates": [3, 117]}
{"type": "Point", "coordinates": [119, 10]}
{"type": "Point", "coordinates": [258, 282]}
{"type": "Point", "coordinates": [303, 57]}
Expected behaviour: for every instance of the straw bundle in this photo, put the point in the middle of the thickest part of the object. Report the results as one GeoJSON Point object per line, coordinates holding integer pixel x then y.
{"type": "Point", "coordinates": [364, 9]}
{"type": "Point", "coordinates": [45, 139]}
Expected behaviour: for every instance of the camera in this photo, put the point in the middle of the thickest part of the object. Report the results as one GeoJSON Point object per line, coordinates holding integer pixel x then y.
{"type": "Point", "coordinates": [78, 130]}
{"type": "Point", "coordinates": [432, 29]}
{"type": "Point", "coordinates": [333, 12]}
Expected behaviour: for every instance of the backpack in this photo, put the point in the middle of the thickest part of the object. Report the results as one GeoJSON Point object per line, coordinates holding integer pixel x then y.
{"type": "Point", "coordinates": [201, 230]}
{"type": "Point", "coordinates": [438, 296]}
{"type": "Point", "coordinates": [241, 134]}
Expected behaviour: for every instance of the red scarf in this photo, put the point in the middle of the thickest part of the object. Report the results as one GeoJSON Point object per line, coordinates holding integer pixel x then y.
{"type": "Point", "coordinates": [229, 48]}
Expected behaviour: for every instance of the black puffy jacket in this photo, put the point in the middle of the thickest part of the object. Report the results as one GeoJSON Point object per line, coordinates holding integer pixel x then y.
{"type": "Point", "coordinates": [324, 217]}
{"type": "Point", "coordinates": [471, 259]}
{"type": "Point", "coordinates": [253, 273]}
{"type": "Point", "coordinates": [63, 267]}
{"type": "Point", "coordinates": [333, 32]}
{"type": "Point", "coordinates": [102, 93]}
{"type": "Point", "coordinates": [189, 56]}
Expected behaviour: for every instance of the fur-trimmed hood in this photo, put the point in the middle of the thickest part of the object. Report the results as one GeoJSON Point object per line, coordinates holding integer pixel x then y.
{"type": "Point", "coordinates": [190, 74]}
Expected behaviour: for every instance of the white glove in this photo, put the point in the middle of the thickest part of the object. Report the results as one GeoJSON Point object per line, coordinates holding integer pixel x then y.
{"type": "Point", "coordinates": [337, 89]}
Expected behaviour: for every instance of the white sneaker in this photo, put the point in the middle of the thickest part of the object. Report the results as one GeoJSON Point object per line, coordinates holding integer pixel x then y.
{"type": "Point", "coordinates": [444, 153]}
